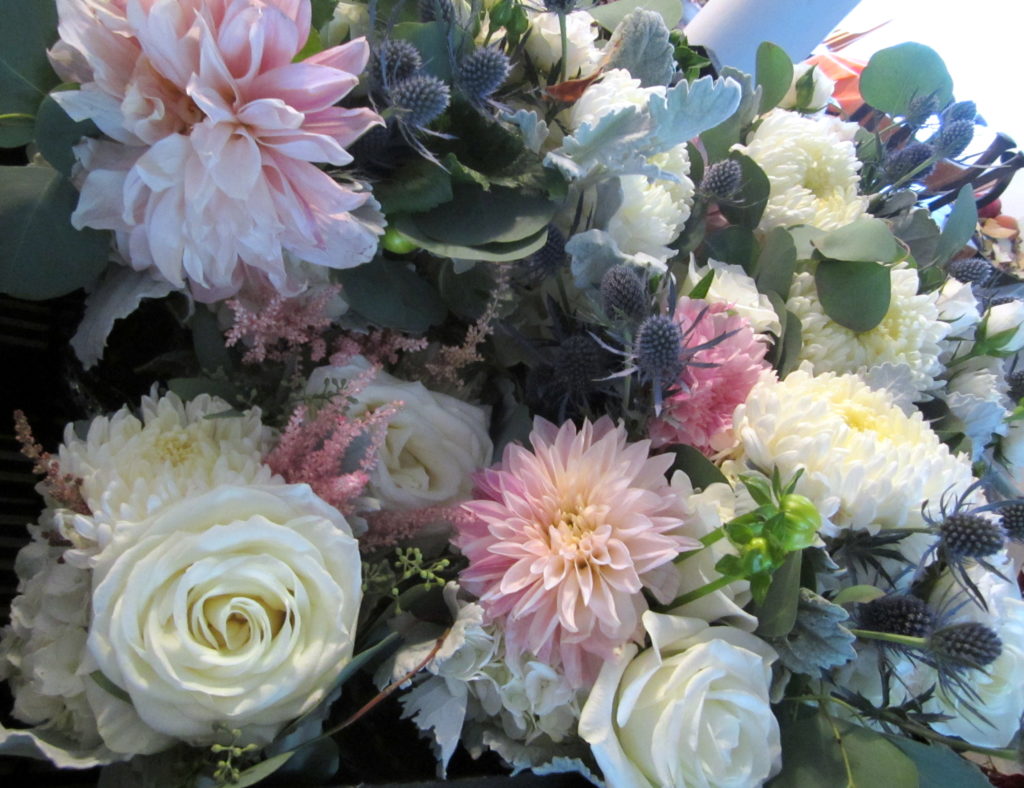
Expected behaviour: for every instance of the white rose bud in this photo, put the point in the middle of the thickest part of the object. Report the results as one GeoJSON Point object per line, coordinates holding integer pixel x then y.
{"type": "Point", "coordinates": [810, 90]}
{"type": "Point", "coordinates": [544, 46]}
{"type": "Point", "coordinates": [708, 686]}
{"type": "Point", "coordinates": [1002, 330]}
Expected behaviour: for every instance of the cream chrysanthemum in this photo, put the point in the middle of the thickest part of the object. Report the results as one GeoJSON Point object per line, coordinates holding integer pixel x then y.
{"type": "Point", "coordinates": [911, 332]}
{"type": "Point", "coordinates": [812, 166]}
{"type": "Point", "coordinates": [866, 464]}
{"type": "Point", "coordinates": [131, 467]}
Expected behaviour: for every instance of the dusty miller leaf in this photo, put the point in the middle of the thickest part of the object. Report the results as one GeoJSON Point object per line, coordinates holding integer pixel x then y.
{"type": "Point", "coordinates": [640, 45]}
{"type": "Point", "coordinates": [818, 640]}
{"type": "Point", "coordinates": [116, 297]}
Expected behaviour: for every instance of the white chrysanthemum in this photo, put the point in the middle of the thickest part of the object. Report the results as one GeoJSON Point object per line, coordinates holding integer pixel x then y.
{"type": "Point", "coordinates": [615, 90]}
{"type": "Point", "coordinates": [733, 286]}
{"type": "Point", "coordinates": [130, 468]}
{"type": "Point", "coordinates": [812, 166]}
{"type": "Point", "coordinates": [867, 465]}
{"type": "Point", "coordinates": [911, 332]}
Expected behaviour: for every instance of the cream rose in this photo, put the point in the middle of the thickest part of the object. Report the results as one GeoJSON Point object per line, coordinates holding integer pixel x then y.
{"type": "Point", "coordinates": [234, 607]}
{"type": "Point", "coordinates": [544, 46]}
{"type": "Point", "coordinates": [692, 710]}
{"type": "Point", "coordinates": [433, 444]}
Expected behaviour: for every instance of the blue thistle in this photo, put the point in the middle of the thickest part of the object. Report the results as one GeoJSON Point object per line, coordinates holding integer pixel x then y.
{"type": "Point", "coordinates": [394, 61]}
{"type": "Point", "coordinates": [953, 138]}
{"type": "Point", "coordinates": [907, 159]}
{"type": "Point", "coordinates": [420, 99]}
{"type": "Point", "coordinates": [722, 179]}
{"type": "Point", "coordinates": [482, 72]}
{"type": "Point", "coordinates": [623, 293]}
{"type": "Point", "coordinates": [897, 614]}
{"type": "Point", "coordinates": [965, 645]}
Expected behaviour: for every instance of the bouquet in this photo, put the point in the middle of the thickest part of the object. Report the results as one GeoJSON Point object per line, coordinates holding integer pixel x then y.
{"type": "Point", "coordinates": [538, 394]}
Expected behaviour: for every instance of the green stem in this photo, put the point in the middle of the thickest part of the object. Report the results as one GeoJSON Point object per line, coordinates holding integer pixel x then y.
{"type": "Point", "coordinates": [16, 116]}
{"type": "Point", "coordinates": [888, 637]}
{"type": "Point", "coordinates": [703, 591]}
{"type": "Point", "coordinates": [710, 538]}
{"type": "Point", "coordinates": [563, 31]}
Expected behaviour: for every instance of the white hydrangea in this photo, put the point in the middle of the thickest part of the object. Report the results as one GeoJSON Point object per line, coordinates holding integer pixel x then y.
{"type": "Point", "coordinates": [544, 44]}
{"type": "Point", "coordinates": [733, 286]}
{"type": "Point", "coordinates": [131, 467]}
{"type": "Point", "coordinates": [813, 169]}
{"type": "Point", "coordinates": [867, 465]}
{"type": "Point", "coordinates": [911, 332]}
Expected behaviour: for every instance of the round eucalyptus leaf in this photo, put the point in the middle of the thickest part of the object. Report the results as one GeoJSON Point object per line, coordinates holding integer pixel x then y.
{"type": "Point", "coordinates": [854, 294]}
{"type": "Point", "coordinates": [895, 76]}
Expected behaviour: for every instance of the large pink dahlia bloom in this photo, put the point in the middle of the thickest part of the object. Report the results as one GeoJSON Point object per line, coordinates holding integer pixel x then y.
{"type": "Point", "coordinates": [207, 175]}
{"type": "Point", "coordinates": [699, 414]}
{"type": "Point", "coordinates": [562, 540]}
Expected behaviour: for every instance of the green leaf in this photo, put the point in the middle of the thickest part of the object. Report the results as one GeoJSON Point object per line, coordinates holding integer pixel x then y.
{"type": "Point", "coordinates": [790, 345]}
{"type": "Point", "coordinates": [43, 256]}
{"type": "Point", "coordinates": [703, 286]}
{"type": "Point", "coordinates": [861, 593]}
{"type": "Point", "coordinates": [736, 245]}
{"type": "Point", "coordinates": [920, 233]}
{"type": "Point", "coordinates": [894, 77]}
{"type": "Point", "coordinates": [494, 252]}
{"type": "Point", "coordinates": [262, 770]}
{"type": "Point", "coordinates": [431, 39]}
{"type": "Point", "coordinates": [610, 14]}
{"type": "Point", "coordinates": [314, 44]}
{"type": "Point", "coordinates": [854, 295]}
{"type": "Point", "coordinates": [323, 11]}
{"type": "Point", "coordinates": [28, 29]}
{"type": "Point", "coordinates": [463, 174]}
{"type": "Point", "coordinates": [474, 217]}
{"type": "Point", "coordinates": [959, 226]}
{"type": "Point", "coordinates": [866, 239]}
{"type": "Point", "coordinates": [466, 293]}
{"type": "Point", "coordinates": [939, 765]}
{"type": "Point", "coordinates": [719, 139]}
{"type": "Point", "coordinates": [774, 74]}
{"type": "Point", "coordinates": [393, 296]}
{"type": "Point", "coordinates": [208, 341]}
{"type": "Point", "coordinates": [56, 133]}
{"type": "Point", "coordinates": [702, 472]}
{"type": "Point", "coordinates": [822, 751]}
{"type": "Point", "coordinates": [190, 388]}
{"type": "Point", "coordinates": [776, 615]}
{"type": "Point", "coordinates": [747, 207]}
{"type": "Point", "coordinates": [417, 186]}
{"type": "Point", "coordinates": [110, 687]}
{"type": "Point", "coordinates": [16, 129]}
{"type": "Point", "coordinates": [776, 263]}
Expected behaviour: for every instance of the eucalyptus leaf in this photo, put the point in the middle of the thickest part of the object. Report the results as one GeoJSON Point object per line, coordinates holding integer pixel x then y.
{"type": "Point", "coordinates": [790, 345]}
{"type": "Point", "coordinates": [866, 239]}
{"type": "Point", "coordinates": [261, 770]}
{"type": "Point", "coordinates": [468, 293]}
{"type": "Point", "coordinates": [417, 186]}
{"type": "Point", "coordinates": [822, 751]}
{"type": "Point", "coordinates": [895, 76]}
{"type": "Point", "coordinates": [208, 341]}
{"type": "Point", "coordinates": [774, 74]}
{"type": "Point", "coordinates": [747, 207]}
{"type": "Point", "coordinates": [190, 388]}
{"type": "Point", "coordinates": [56, 134]}
{"type": "Point", "coordinates": [493, 252]}
{"type": "Point", "coordinates": [609, 15]}
{"type": "Point", "coordinates": [959, 226]}
{"type": "Point", "coordinates": [431, 39]}
{"type": "Point", "coordinates": [776, 615]}
{"type": "Point", "coordinates": [640, 44]}
{"type": "Point", "coordinates": [919, 232]}
{"type": "Point", "coordinates": [854, 295]}
{"type": "Point", "coordinates": [776, 263]}
{"type": "Point", "coordinates": [43, 256]}
{"type": "Point", "coordinates": [392, 295]}
{"type": "Point", "coordinates": [28, 30]}
{"type": "Point", "coordinates": [323, 11]}
{"type": "Point", "coordinates": [474, 217]}
{"type": "Point", "coordinates": [939, 765]}
{"type": "Point", "coordinates": [702, 472]}
{"type": "Point", "coordinates": [736, 245]}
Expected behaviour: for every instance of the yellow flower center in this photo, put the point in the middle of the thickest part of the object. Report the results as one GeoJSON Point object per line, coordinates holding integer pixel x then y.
{"type": "Point", "coordinates": [175, 446]}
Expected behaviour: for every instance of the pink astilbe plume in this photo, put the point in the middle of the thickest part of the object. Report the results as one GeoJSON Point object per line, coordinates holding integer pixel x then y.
{"type": "Point", "coordinates": [64, 488]}
{"type": "Point", "coordinates": [389, 528]}
{"type": "Point", "coordinates": [563, 539]}
{"type": "Point", "coordinates": [699, 412]}
{"type": "Point", "coordinates": [276, 328]}
{"type": "Point", "coordinates": [378, 346]}
{"type": "Point", "coordinates": [206, 172]}
{"type": "Point", "coordinates": [316, 447]}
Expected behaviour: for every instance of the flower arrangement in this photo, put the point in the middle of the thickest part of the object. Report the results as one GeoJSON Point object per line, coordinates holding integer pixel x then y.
{"type": "Point", "coordinates": [543, 395]}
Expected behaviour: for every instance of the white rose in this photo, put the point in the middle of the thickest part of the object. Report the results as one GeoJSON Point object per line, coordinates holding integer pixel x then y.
{"type": "Point", "coordinates": [731, 285]}
{"type": "Point", "coordinates": [234, 607]}
{"type": "Point", "coordinates": [1003, 326]}
{"type": "Point", "coordinates": [544, 45]}
{"type": "Point", "coordinates": [692, 710]}
{"type": "Point", "coordinates": [433, 443]}
{"type": "Point", "coordinates": [800, 98]}
{"type": "Point", "coordinates": [958, 306]}
{"type": "Point", "coordinates": [350, 20]}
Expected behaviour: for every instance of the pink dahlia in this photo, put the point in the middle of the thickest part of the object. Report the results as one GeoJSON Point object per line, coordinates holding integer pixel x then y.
{"type": "Point", "coordinates": [699, 414]}
{"type": "Point", "coordinates": [207, 175]}
{"type": "Point", "coordinates": [562, 540]}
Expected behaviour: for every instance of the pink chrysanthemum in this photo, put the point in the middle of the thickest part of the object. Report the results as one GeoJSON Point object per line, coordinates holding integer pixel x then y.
{"type": "Point", "coordinates": [207, 175]}
{"type": "Point", "coordinates": [562, 540]}
{"type": "Point", "coordinates": [699, 414]}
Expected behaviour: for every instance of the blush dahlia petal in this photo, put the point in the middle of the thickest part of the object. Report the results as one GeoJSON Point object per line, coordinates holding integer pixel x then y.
{"type": "Point", "coordinates": [561, 540]}
{"type": "Point", "coordinates": [213, 180]}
